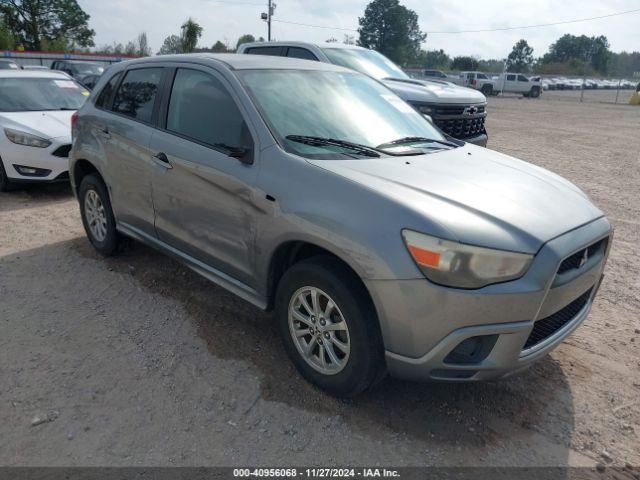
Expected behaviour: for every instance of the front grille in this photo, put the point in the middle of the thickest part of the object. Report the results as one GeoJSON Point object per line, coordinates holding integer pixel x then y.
{"type": "Point", "coordinates": [62, 152]}
{"type": "Point", "coordinates": [457, 110]}
{"type": "Point", "coordinates": [546, 327]}
{"type": "Point", "coordinates": [574, 261]}
{"type": "Point", "coordinates": [461, 127]}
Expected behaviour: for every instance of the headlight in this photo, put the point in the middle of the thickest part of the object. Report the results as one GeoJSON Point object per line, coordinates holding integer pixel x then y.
{"type": "Point", "coordinates": [463, 266]}
{"type": "Point", "coordinates": [23, 138]}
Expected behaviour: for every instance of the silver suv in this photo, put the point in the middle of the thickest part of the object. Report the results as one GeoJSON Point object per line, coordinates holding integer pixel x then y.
{"type": "Point", "coordinates": [314, 190]}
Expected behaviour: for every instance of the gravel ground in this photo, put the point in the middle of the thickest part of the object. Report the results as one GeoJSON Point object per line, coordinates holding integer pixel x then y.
{"type": "Point", "coordinates": [137, 361]}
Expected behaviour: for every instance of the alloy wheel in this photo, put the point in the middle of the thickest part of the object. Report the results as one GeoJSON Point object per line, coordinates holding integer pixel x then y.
{"type": "Point", "coordinates": [95, 215]}
{"type": "Point", "coordinates": [319, 330]}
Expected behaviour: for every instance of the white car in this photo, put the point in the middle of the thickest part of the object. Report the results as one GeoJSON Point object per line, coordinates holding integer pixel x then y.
{"type": "Point", "coordinates": [35, 125]}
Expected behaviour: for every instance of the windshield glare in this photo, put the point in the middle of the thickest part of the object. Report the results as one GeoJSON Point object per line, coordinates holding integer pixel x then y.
{"type": "Point", "coordinates": [365, 61]}
{"type": "Point", "coordinates": [87, 69]}
{"type": "Point", "coordinates": [21, 94]}
{"type": "Point", "coordinates": [340, 105]}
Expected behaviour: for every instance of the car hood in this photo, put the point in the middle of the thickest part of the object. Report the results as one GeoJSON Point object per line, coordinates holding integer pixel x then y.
{"type": "Point", "coordinates": [475, 195]}
{"type": "Point", "coordinates": [427, 91]}
{"type": "Point", "coordinates": [45, 124]}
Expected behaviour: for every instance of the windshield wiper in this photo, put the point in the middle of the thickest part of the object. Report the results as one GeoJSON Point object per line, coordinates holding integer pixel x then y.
{"type": "Point", "coordinates": [404, 140]}
{"type": "Point", "coordinates": [332, 142]}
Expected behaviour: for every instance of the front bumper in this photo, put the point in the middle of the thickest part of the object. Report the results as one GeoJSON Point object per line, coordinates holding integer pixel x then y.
{"type": "Point", "coordinates": [423, 323]}
{"type": "Point", "coordinates": [480, 140]}
{"type": "Point", "coordinates": [54, 160]}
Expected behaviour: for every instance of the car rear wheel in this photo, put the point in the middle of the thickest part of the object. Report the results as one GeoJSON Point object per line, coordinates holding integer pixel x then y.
{"type": "Point", "coordinates": [97, 215]}
{"type": "Point", "coordinates": [487, 90]}
{"type": "Point", "coordinates": [329, 328]}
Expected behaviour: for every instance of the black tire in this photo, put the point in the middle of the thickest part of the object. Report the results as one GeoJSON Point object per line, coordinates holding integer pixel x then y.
{"type": "Point", "coordinates": [109, 244]}
{"type": "Point", "coordinates": [5, 183]}
{"type": "Point", "coordinates": [487, 90]}
{"type": "Point", "coordinates": [365, 366]}
{"type": "Point", "coordinates": [535, 92]}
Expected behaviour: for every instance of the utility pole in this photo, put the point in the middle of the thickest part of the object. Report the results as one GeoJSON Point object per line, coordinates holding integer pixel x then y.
{"type": "Point", "coordinates": [271, 6]}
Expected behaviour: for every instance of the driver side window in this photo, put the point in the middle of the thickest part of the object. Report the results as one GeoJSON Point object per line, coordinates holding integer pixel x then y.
{"type": "Point", "coordinates": [202, 109]}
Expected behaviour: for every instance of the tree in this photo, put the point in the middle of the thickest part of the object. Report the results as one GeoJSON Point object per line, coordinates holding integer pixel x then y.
{"type": "Point", "coordinates": [246, 38]}
{"type": "Point", "coordinates": [34, 21]}
{"type": "Point", "coordinates": [464, 64]}
{"type": "Point", "coordinates": [172, 44]}
{"type": "Point", "coordinates": [7, 42]}
{"type": "Point", "coordinates": [219, 47]}
{"type": "Point", "coordinates": [191, 33]}
{"type": "Point", "coordinates": [143, 48]}
{"type": "Point", "coordinates": [392, 30]}
{"type": "Point", "coordinates": [521, 57]}
{"type": "Point", "coordinates": [435, 59]}
{"type": "Point", "coordinates": [591, 51]}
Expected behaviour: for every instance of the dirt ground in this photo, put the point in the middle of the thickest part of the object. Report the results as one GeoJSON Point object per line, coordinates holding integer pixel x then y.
{"type": "Point", "coordinates": [137, 361]}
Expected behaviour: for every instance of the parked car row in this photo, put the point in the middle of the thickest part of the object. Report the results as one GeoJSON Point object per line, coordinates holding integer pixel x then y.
{"type": "Point", "coordinates": [563, 83]}
{"type": "Point", "coordinates": [383, 244]}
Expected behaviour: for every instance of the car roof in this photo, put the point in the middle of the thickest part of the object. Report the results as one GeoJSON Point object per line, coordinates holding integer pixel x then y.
{"type": "Point", "coordinates": [295, 43]}
{"type": "Point", "coordinates": [235, 61]}
{"type": "Point", "coordinates": [33, 74]}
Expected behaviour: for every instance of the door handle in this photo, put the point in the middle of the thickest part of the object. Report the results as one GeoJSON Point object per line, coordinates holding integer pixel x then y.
{"type": "Point", "coordinates": [162, 159]}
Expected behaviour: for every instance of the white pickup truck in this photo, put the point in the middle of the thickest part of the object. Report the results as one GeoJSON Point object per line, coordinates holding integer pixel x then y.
{"type": "Point", "coordinates": [506, 82]}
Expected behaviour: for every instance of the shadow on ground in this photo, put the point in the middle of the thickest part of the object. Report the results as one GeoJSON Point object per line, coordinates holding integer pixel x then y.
{"type": "Point", "coordinates": [538, 400]}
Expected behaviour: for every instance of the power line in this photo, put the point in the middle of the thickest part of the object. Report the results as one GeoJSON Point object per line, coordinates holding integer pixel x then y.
{"type": "Point", "coordinates": [237, 3]}
{"type": "Point", "coordinates": [565, 22]}
{"type": "Point", "coordinates": [541, 24]}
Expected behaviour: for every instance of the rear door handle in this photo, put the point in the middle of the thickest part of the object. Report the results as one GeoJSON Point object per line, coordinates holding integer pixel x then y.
{"type": "Point", "coordinates": [162, 159]}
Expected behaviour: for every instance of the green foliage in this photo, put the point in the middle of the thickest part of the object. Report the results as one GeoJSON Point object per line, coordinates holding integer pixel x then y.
{"type": "Point", "coordinates": [592, 52]}
{"type": "Point", "coordinates": [391, 29]}
{"type": "Point", "coordinates": [246, 38]}
{"type": "Point", "coordinates": [464, 64]}
{"type": "Point", "coordinates": [172, 44]}
{"type": "Point", "coordinates": [7, 42]}
{"type": "Point", "coordinates": [521, 57]}
{"type": "Point", "coordinates": [32, 22]}
{"type": "Point", "coordinates": [219, 47]}
{"type": "Point", "coordinates": [59, 44]}
{"type": "Point", "coordinates": [435, 59]}
{"type": "Point", "coordinates": [491, 66]}
{"type": "Point", "coordinates": [191, 33]}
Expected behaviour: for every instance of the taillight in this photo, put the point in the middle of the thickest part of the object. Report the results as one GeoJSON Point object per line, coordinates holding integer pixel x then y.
{"type": "Point", "coordinates": [74, 120]}
{"type": "Point", "coordinates": [474, 82]}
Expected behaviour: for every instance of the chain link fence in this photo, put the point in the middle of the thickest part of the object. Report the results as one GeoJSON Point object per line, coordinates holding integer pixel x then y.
{"type": "Point", "coordinates": [616, 90]}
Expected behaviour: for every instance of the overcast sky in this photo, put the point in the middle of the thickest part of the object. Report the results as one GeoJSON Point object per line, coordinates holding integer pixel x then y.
{"type": "Point", "coordinates": [122, 20]}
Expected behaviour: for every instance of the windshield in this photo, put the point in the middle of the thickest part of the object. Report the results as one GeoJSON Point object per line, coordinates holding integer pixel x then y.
{"type": "Point", "coordinates": [364, 61]}
{"type": "Point", "coordinates": [23, 94]}
{"type": "Point", "coordinates": [87, 69]}
{"type": "Point", "coordinates": [333, 105]}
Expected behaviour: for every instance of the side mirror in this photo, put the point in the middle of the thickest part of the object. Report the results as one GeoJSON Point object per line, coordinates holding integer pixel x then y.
{"type": "Point", "coordinates": [242, 154]}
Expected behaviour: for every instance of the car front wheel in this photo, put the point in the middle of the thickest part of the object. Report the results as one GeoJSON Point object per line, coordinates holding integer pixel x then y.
{"type": "Point", "coordinates": [5, 184]}
{"type": "Point", "coordinates": [329, 327]}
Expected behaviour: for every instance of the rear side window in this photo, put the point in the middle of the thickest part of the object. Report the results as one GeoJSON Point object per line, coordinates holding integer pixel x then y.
{"type": "Point", "coordinates": [303, 53]}
{"type": "Point", "coordinates": [274, 51]}
{"type": "Point", "coordinates": [137, 93]}
{"type": "Point", "coordinates": [202, 109]}
{"type": "Point", "coordinates": [107, 91]}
